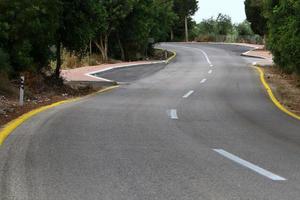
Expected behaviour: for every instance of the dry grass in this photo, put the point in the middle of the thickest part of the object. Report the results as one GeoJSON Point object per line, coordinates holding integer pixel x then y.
{"type": "Point", "coordinates": [286, 87]}
{"type": "Point", "coordinates": [6, 87]}
{"type": "Point", "coordinates": [71, 61]}
{"type": "Point", "coordinates": [39, 91]}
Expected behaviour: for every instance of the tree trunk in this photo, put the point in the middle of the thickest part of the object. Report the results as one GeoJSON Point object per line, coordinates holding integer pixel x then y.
{"type": "Point", "coordinates": [58, 59]}
{"type": "Point", "coordinates": [265, 41]}
{"type": "Point", "coordinates": [172, 35]}
{"type": "Point", "coordinates": [186, 29]}
{"type": "Point", "coordinates": [103, 46]}
{"type": "Point", "coordinates": [121, 48]}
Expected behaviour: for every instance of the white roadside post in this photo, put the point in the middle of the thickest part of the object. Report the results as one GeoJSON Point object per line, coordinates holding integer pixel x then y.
{"type": "Point", "coordinates": [21, 101]}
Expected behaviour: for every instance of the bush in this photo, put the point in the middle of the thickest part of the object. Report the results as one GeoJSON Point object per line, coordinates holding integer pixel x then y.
{"type": "Point", "coordinates": [4, 64]}
{"type": "Point", "coordinates": [284, 35]}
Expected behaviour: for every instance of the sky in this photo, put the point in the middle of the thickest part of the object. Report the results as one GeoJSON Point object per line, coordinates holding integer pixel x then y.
{"type": "Point", "coordinates": [233, 8]}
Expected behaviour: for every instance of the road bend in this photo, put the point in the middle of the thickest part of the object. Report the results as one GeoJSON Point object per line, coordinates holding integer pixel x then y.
{"type": "Point", "coordinates": [201, 127]}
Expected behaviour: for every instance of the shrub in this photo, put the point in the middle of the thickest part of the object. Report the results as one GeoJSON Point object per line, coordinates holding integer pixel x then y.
{"type": "Point", "coordinates": [4, 63]}
{"type": "Point", "coordinates": [284, 35]}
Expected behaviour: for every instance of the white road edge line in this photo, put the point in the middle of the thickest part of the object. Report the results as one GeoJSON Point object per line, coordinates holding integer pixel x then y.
{"type": "Point", "coordinates": [188, 94]}
{"type": "Point", "coordinates": [249, 165]}
{"type": "Point", "coordinates": [92, 74]}
{"type": "Point", "coordinates": [173, 114]}
{"type": "Point", "coordinates": [206, 56]}
{"type": "Point", "coordinates": [203, 80]}
{"type": "Point", "coordinates": [203, 52]}
{"type": "Point", "coordinates": [210, 71]}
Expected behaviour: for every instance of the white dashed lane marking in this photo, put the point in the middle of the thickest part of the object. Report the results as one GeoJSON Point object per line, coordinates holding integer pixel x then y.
{"type": "Point", "coordinates": [173, 114]}
{"type": "Point", "coordinates": [249, 165]}
{"type": "Point", "coordinates": [203, 80]}
{"type": "Point", "coordinates": [188, 94]}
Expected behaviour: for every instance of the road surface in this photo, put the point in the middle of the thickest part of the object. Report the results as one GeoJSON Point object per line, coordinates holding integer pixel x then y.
{"type": "Point", "coordinates": [202, 127]}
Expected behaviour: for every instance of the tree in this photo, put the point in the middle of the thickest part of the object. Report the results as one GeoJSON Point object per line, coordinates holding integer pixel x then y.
{"type": "Point", "coordinates": [148, 20]}
{"type": "Point", "coordinates": [223, 24]}
{"type": "Point", "coordinates": [78, 21]}
{"type": "Point", "coordinates": [244, 28]}
{"type": "Point", "coordinates": [26, 32]}
{"type": "Point", "coordinates": [284, 33]}
{"type": "Point", "coordinates": [207, 26]}
{"type": "Point", "coordinates": [184, 9]}
{"type": "Point", "coordinates": [115, 12]}
{"type": "Point", "coordinates": [4, 63]}
{"type": "Point", "coordinates": [255, 15]}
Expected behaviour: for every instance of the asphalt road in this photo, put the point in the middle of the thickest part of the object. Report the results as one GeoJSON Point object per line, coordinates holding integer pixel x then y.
{"type": "Point", "coordinates": [130, 74]}
{"type": "Point", "coordinates": [189, 131]}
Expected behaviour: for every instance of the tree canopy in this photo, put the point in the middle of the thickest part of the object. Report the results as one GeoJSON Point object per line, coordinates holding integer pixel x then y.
{"type": "Point", "coordinates": [255, 15]}
{"type": "Point", "coordinates": [34, 32]}
{"type": "Point", "coordinates": [183, 9]}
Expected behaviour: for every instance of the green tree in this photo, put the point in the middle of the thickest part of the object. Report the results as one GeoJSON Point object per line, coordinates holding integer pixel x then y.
{"type": "Point", "coordinates": [115, 12]}
{"type": "Point", "coordinates": [78, 20]}
{"type": "Point", "coordinates": [284, 33]}
{"type": "Point", "coordinates": [244, 28]}
{"type": "Point", "coordinates": [184, 9]}
{"type": "Point", "coordinates": [4, 63]}
{"type": "Point", "coordinates": [223, 24]}
{"type": "Point", "coordinates": [255, 15]}
{"type": "Point", "coordinates": [148, 20]}
{"type": "Point", "coordinates": [26, 33]}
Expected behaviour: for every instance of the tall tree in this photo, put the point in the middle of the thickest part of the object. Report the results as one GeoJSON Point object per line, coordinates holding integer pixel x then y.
{"type": "Point", "coordinates": [255, 15]}
{"type": "Point", "coordinates": [77, 25]}
{"type": "Point", "coordinates": [115, 12]}
{"type": "Point", "coordinates": [223, 24]}
{"type": "Point", "coordinates": [284, 33]}
{"type": "Point", "coordinates": [184, 9]}
{"type": "Point", "coordinates": [149, 20]}
{"type": "Point", "coordinates": [244, 28]}
{"type": "Point", "coordinates": [27, 29]}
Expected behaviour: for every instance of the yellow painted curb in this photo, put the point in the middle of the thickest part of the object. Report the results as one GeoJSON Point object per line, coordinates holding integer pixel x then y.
{"type": "Point", "coordinates": [172, 57]}
{"type": "Point", "coordinates": [11, 126]}
{"type": "Point", "coordinates": [272, 96]}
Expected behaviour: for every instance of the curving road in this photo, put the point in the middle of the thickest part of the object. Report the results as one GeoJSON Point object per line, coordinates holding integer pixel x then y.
{"type": "Point", "coordinates": [200, 128]}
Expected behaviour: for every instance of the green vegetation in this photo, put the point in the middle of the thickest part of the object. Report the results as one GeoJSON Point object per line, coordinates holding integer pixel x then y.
{"type": "Point", "coordinates": [35, 33]}
{"type": "Point", "coordinates": [279, 21]}
{"type": "Point", "coordinates": [184, 10]}
{"type": "Point", "coordinates": [222, 29]}
{"type": "Point", "coordinates": [255, 15]}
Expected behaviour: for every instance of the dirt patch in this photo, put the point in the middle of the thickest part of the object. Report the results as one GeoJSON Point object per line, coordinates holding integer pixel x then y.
{"type": "Point", "coordinates": [286, 87]}
{"type": "Point", "coordinates": [39, 92]}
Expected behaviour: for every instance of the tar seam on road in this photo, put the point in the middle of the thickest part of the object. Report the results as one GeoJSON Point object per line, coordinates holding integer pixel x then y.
{"type": "Point", "coordinates": [173, 114]}
{"type": "Point", "coordinates": [249, 165]}
{"type": "Point", "coordinates": [188, 94]}
{"type": "Point", "coordinates": [272, 96]}
{"type": "Point", "coordinates": [203, 80]}
{"type": "Point", "coordinates": [11, 126]}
